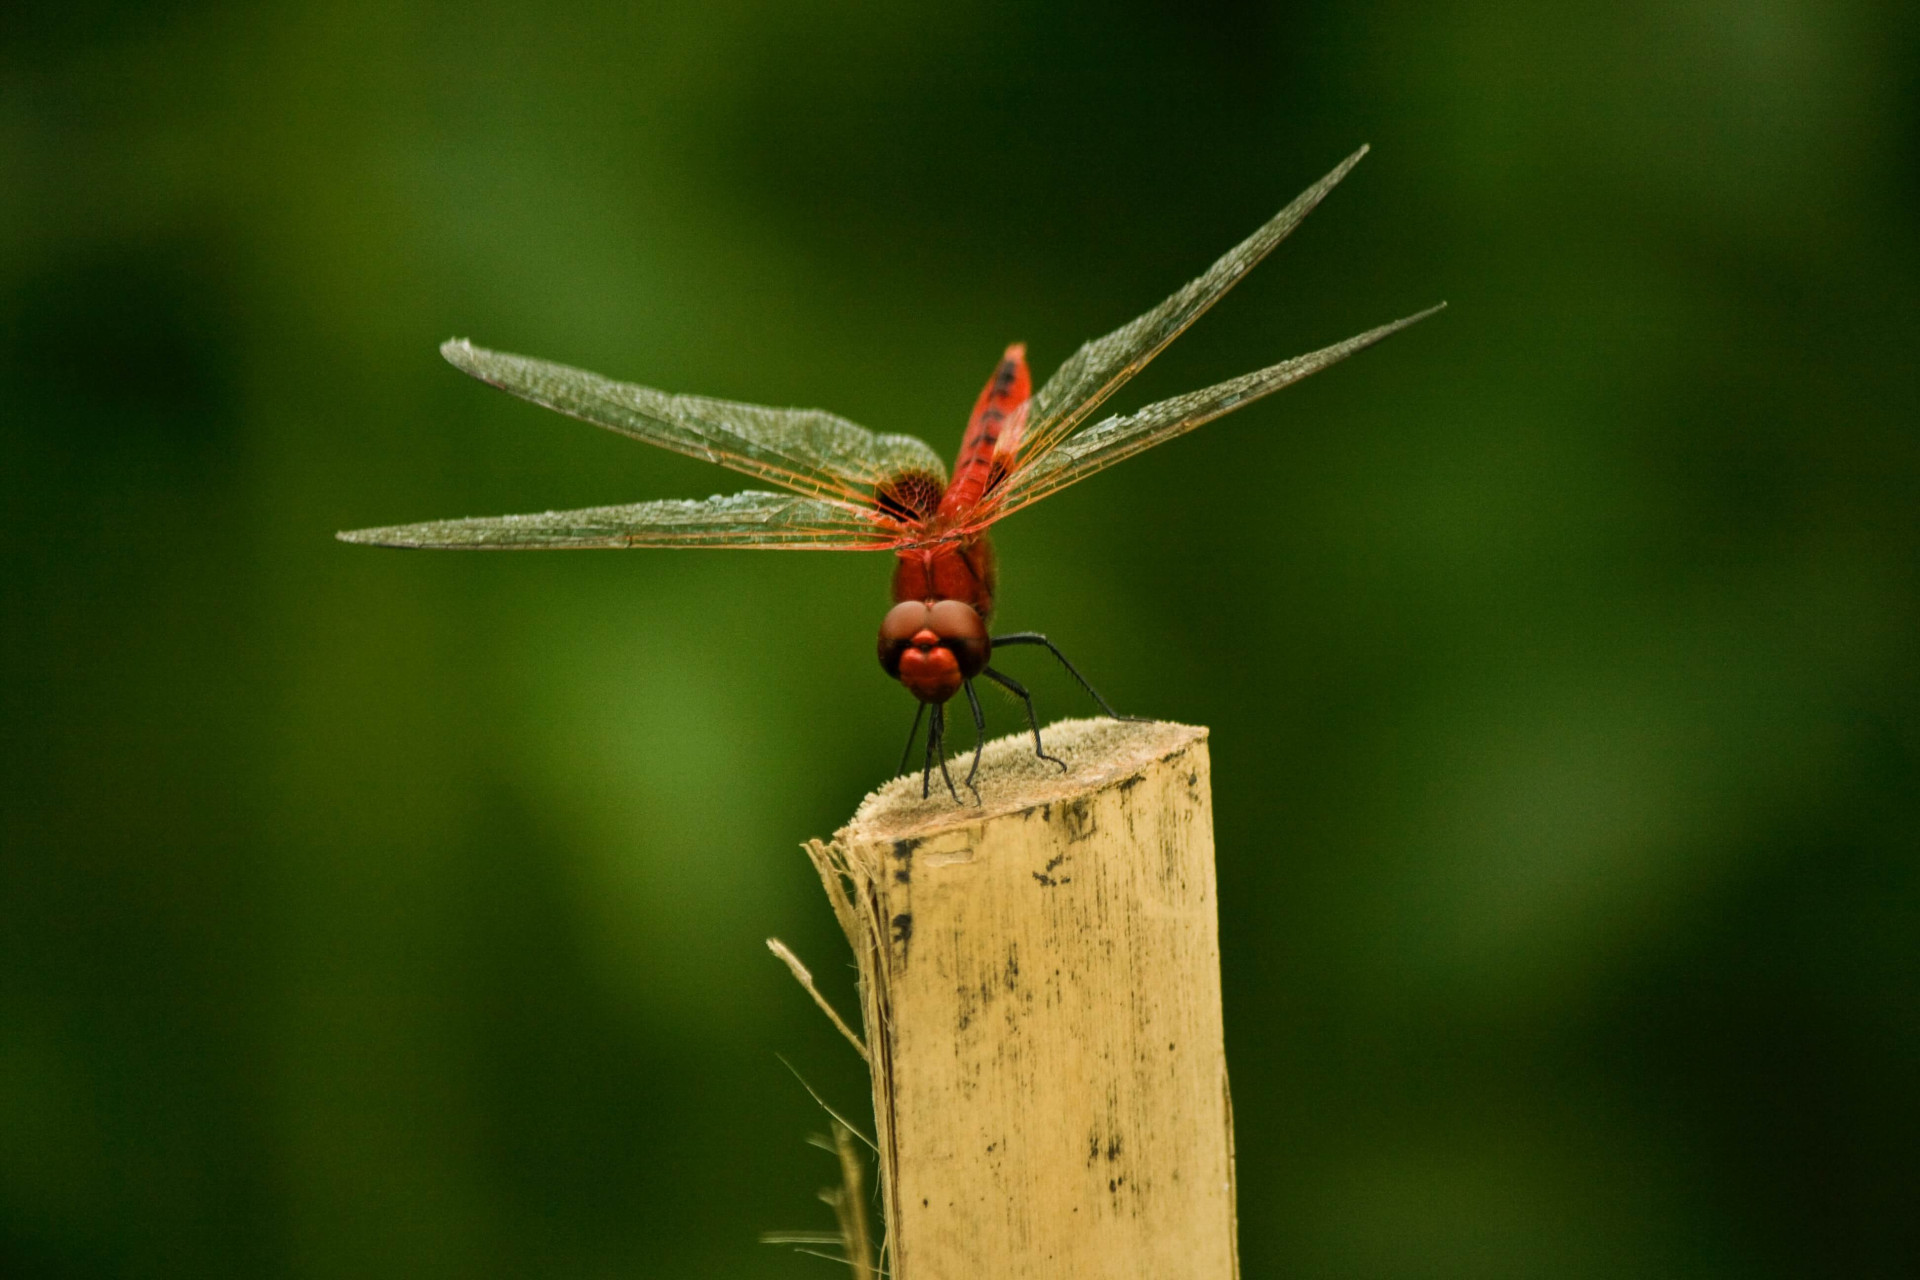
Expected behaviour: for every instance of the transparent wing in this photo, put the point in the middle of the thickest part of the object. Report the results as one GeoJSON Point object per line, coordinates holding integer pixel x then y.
{"type": "Point", "coordinates": [1102, 366]}
{"type": "Point", "coordinates": [808, 451]}
{"type": "Point", "coordinates": [1117, 438]}
{"type": "Point", "coordinates": [751, 519]}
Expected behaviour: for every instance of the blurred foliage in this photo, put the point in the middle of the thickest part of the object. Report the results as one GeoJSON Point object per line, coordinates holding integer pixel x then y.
{"type": "Point", "coordinates": [369, 914]}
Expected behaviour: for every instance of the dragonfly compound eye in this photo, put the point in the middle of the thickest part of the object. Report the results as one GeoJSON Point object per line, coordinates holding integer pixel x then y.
{"type": "Point", "coordinates": [961, 630]}
{"type": "Point", "coordinates": [897, 630]}
{"type": "Point", "coordinates": [933, 649]}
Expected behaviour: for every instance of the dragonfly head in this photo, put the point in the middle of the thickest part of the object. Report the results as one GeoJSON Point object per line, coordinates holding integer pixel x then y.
{"type": "Point", "coordinates": [933, 647]}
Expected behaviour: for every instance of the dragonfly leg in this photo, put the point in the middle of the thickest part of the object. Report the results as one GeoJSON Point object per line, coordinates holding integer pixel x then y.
{"type": "Point", "coordinates": [1033, 721]}
{"type": "Point", "coordinates": [933, 745]}
{"type": "Point", "coordinates": [937, 749]}
{"type": "Point", "coordinates": [906, 752]}
{"type": "Point", "coordinates": [1034, 637]}
{"type": "Point", "coordinates": [979, 737]}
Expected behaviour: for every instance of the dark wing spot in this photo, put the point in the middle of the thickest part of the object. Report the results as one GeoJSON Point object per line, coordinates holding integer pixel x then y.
{"type": "Point", "coordinates": [908, 497]}
{"type": "Point", "coordinates": [997, 474]}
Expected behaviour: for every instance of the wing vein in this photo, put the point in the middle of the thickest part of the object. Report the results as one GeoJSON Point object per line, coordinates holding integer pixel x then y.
{"type": "Point", "coordinates": [808, 451]}
{"type": "Point", "coordinates": [748, 520]}
{"type": "Point", "coordinates": [1100, 367]}
{"type": "Point", "coordinates": [1118, 438]}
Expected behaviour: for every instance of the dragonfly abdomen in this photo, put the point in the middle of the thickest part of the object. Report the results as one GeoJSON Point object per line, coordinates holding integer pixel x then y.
{"type": "Point", "coordinates": [993, 435]}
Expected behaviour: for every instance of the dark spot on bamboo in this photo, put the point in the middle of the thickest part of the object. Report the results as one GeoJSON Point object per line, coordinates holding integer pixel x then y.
{"type": "Point", "coordinates": [1172, 867]}
{"type": "Point", "coordinates": [1046, 877]}
{"type": "Point", "coordinates": [903, 929]}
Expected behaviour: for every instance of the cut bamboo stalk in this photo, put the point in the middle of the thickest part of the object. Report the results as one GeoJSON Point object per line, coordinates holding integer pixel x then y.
{"type": "Point", "coordinates": [1040, 982]}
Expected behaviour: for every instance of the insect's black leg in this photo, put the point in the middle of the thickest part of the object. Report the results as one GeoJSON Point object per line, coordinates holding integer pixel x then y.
{"type": "Point", "coordinates": [1033, 721]}
{"type": "Point", "coordinates": [1034, 637]}
{"type": "Point", "coordinates": [939, 738]}
{"type": "Point", "coordinates": [906, 752]}
{"type": "Point", "coordinates": [933, 745]}
{"type": "Point", "coordinates": [979, 737]}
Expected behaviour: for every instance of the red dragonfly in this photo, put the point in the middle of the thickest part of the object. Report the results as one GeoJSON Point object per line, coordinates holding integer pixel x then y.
{"type": "Point", "coordinates": [849, 489]}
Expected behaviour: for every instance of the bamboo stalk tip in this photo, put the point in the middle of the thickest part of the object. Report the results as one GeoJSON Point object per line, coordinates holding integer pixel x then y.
{"type": "Point", "coordinates": [1097, 752]}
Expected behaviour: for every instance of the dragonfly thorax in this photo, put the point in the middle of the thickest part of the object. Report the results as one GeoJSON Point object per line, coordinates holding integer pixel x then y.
{"type": "Point", "coordinates": [960, 570]}
{"type": "Point", "coordinates": [933, 647]}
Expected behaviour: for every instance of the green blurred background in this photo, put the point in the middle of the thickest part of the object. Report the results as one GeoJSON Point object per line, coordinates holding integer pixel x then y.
{"type": "Point", "coordinates": [366, 914]}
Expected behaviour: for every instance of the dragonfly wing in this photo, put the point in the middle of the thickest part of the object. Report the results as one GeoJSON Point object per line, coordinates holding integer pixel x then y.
{"type": "Point", "coordinates": [751, 519]}
{"type": "Point", "coordinates": [1101, 366]}
{"type": "Point", "coordinates": [808, 451]}
{"type": "Point", "coordinates": [1117, 438]}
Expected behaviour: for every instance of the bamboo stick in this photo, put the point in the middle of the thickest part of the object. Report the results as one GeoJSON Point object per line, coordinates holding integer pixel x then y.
{"type": "Point", "coordinates": [1040, 983]}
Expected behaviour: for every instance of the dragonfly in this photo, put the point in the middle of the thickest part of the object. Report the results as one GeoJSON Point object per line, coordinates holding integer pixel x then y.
{"type": "Point", "coordinates": [844, 488]}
